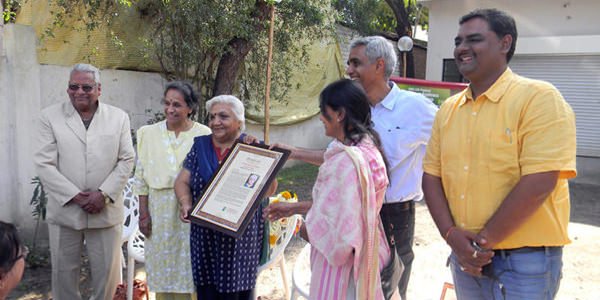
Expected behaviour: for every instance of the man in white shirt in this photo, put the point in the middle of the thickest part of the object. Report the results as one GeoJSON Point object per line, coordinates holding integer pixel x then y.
{"type": "Point", "coordinates": [403, 120]}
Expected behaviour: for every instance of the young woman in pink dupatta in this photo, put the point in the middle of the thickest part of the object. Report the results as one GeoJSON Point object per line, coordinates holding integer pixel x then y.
{"type": "Point", "coordinates": [348, 244]}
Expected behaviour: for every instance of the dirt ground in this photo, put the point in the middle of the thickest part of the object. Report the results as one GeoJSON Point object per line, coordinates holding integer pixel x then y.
{"type": "Point", "coordinates": [581, 270]}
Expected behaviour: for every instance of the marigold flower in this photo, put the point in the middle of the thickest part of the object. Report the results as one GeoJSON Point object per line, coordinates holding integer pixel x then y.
{"type": "Point", "coordinates": [286, 195]}
{"type": "Point", "coordinates": [272, 239]}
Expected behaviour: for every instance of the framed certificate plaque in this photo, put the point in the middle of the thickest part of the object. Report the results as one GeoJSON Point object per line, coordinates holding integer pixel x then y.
{"type": "Point", "coordinates": [237, 187]}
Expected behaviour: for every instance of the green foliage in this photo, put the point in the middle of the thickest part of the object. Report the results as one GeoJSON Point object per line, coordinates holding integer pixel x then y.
{"type": "Point", "coordinates": [185, 38]}
{"type": "Point", "coordinates": [220, 46]}
{"type": "Point", "coordinates": [39, 199]}
{"type": "Point", "coordinates": [370, 17]}
{"type": "Point", "coordinates": [93, 14]}
{"type": "Point", "coordinates": [299, 178]}
{"type": "Point", "coordinates": [390, 18]}
{"type": "Point", "coordinates": [9, 10]}
{"type": "Point", "coordinates": [157, 116]}
{"type": "Point", "coordinates": [191, 40]}
{"type": "Point", "coordinates": [37, 258]}
{"type": "Point", "coordinates": [290, 49]}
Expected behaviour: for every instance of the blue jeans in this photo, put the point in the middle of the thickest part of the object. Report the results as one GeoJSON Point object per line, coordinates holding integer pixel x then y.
{"type": "Point", "coordinates": [531, 275]}
{"type": "Point", "coordinates": [401, 218]}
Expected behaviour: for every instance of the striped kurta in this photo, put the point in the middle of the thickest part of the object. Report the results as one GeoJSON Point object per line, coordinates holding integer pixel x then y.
{"type": "Point", "coordinates": [335, 225]}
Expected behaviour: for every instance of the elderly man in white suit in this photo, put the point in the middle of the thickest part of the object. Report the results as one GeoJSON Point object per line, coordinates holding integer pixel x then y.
{"type": "Point", "coordinates": [84, 157]}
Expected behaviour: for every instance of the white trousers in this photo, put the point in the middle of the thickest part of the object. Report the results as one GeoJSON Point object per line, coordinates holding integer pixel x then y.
{"type": "Point", "coordinates": [103, 246]}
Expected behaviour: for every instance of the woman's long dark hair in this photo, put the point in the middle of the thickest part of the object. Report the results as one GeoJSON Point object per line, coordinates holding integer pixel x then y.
{"type": "Point", "coordinates": [10, 243]}
{"type": "Point", "coordinates": [351, 97]}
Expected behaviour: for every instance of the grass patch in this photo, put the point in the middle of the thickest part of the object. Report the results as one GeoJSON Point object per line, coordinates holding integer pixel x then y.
{"type": "Point", "coordinates": [298, 179]}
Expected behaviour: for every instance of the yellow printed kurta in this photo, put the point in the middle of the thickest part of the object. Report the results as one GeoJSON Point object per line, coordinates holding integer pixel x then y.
{"type": "Point", "coordinates": [167, 251]}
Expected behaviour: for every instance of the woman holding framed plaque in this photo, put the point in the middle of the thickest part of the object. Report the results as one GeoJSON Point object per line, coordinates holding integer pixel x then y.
{"type": "Point", "coordinates": [348, 244]}
{"type": "Point", "coordinates": [223, 267]}
{"type": "Point", "coordinates": [162, 147]}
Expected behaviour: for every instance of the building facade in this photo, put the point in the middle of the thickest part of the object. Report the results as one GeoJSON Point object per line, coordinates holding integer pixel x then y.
{"type": "Point", "coordinates": [558, 41]}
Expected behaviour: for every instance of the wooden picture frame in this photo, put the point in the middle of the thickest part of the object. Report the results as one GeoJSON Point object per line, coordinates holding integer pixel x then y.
{"type": "Point", "coordinates": [235, 190]}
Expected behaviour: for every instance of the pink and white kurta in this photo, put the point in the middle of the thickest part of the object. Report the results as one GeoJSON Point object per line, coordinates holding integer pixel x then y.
{"type": "Point", "coordinates": [343, 238]}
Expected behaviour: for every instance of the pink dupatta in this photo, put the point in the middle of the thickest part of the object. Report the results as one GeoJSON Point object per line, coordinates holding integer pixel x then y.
{"type": "Point", "coordinates": [343, 224]}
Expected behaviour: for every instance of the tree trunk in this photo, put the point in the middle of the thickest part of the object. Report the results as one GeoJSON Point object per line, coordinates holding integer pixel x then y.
{"type": "Point", "coordinates": [229, 66]}
{"type": "Point", "coordinates": [403, 28]}
{"type": "Point", "coordinates": [230, 62]}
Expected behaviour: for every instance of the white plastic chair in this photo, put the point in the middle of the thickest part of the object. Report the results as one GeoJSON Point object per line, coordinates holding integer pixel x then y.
{"type": "Point", "coordinates": [135, 252]}
{"type": "Point", "coordinates": [131, 214]}
{"type": "Point", "coordinates": [301, 274]}
{"type": "Point", "coordinates": [277, 253]}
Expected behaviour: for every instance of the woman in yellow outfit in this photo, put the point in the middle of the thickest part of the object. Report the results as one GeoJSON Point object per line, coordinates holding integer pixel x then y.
{"type": "Point", "coordinates": [162, 147]}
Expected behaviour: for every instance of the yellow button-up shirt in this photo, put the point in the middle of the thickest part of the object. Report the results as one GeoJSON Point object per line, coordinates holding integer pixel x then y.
{"type": "Point", "coordinates": [480, 149]}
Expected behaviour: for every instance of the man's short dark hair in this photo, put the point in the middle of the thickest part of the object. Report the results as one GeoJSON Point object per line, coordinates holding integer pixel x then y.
{"type": "Point", "coordinates": [499, 22]}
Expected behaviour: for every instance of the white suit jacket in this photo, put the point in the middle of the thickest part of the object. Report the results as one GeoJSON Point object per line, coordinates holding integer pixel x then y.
{"type": "Point", "coordinates": [70, 160]}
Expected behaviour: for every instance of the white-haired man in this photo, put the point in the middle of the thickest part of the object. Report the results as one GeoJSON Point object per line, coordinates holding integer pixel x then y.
{"type": "Point", "coordinates": [403, 121]}
{"type": "Point", "coordinates": [84, 156]}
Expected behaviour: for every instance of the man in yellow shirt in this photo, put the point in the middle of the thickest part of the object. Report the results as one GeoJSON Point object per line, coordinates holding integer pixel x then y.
{"type": "Point", "coordinates": [496, 169]}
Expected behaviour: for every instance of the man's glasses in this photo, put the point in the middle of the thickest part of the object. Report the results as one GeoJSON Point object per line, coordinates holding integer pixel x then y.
{"type": "Point", "coordinates": [86, 88]}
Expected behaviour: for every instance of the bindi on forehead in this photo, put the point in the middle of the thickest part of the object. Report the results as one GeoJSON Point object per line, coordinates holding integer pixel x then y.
{"type": "Point", "coordinates": [221, 113]}
{"type": "Point", "coordinates": [220, 107]}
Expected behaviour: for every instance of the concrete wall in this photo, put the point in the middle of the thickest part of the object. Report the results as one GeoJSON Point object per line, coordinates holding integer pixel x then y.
{"type": "Point", "coordinates": [134, 92]}
{"type": "Point", "coordinates": [26, 87]}
{"type": "Point", "coordinates": [544, 27]}
{"type": "Point", "coordinates": [19, 103]}
{"type": "Point", "coordinates": [309, 134]}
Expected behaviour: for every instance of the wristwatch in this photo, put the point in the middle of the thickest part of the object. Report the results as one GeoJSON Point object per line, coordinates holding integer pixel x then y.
{"type": "Point", "coordinates": [106, 197]}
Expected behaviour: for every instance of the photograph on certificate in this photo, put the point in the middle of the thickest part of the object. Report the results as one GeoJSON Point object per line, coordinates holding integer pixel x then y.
{"type": "Point", "coordinates": [251, 180]}
{"type": "Point", "coordinates": [231, 195]}
{"type": "Point", "coordinates": [237, 187]}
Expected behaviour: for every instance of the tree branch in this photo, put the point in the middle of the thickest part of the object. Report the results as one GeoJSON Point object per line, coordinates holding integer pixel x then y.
{"type": "Point", "coordinates": [401, 13]}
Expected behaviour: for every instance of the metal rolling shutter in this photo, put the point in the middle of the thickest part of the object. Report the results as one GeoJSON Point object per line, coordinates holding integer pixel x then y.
{"type": "Point", "coordinates": [577, 77]}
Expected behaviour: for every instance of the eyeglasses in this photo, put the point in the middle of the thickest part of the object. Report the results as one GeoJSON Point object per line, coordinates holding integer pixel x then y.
{"type": "Point", "coordinates": [23, 255]}
{"type": "Point", "coordinates": [86, 88]}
